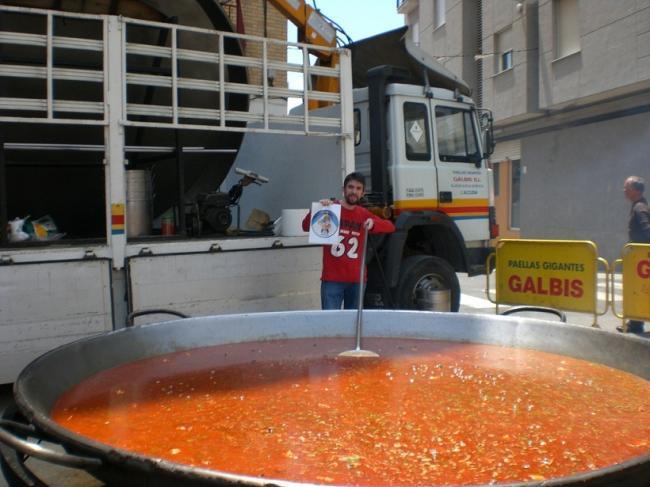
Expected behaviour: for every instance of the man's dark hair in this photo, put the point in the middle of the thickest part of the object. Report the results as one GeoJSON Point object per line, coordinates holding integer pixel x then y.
{"type": "Point", "coordinates": [355, 176]}
{"type": "Point", "coordinates": [637, 183]}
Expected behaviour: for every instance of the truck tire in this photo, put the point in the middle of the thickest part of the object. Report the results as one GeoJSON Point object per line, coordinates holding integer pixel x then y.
{"type": "Point", "coordinates": [428, 272]}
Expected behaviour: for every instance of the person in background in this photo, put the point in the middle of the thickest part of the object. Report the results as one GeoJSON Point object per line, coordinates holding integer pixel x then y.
{"type": "Point", "coordinates": [342, 262]}
{"type": "Point", "coordinates": [638, 228]}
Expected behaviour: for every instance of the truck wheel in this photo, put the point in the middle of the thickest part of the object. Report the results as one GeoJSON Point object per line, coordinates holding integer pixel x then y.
{"type": "Point", "coordinates": [426, 272]}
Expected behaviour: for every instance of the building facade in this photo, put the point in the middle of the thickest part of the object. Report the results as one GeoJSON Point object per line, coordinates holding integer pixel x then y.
{"type": "Point", "coordinates": [569, 84]}
{"type": "Point", "coordinates": [260, 18]}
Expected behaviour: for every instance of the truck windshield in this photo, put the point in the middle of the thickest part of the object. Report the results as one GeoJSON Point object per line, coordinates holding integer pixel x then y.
{"type": "Point", "coordinates": [456, 135]}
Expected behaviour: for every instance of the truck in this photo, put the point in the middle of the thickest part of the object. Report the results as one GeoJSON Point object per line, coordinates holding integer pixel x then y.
{"type": "Point", "coordinates": [152, 109]}
{"type": "Point", "coordinates": [424, 147]}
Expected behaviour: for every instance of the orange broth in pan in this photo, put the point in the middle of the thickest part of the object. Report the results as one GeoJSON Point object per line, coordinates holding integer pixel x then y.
{"type": "Point", "coordinates": [426, 412]}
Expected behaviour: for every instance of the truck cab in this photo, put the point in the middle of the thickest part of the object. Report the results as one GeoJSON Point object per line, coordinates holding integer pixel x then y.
{"type": "Point", "coordinates": [424, 153]}
{"type": "Point", "coordinates": [434, 156]}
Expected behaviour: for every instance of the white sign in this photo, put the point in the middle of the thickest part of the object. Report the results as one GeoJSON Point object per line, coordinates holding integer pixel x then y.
{"type": "Point", "coordinates": [416, 131]}
{"type": "Point", "coordinates": [324, 224]}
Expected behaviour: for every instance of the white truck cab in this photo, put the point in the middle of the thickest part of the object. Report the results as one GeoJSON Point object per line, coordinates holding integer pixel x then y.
{"type": "Point", "coordinates": [424, 154]}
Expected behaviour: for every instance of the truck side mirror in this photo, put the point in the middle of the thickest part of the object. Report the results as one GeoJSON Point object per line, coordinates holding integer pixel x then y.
{"type": "Point", "coordinates": [476, 159]}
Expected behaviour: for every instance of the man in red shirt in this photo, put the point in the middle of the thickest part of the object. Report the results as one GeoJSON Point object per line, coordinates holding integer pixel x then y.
{"type": "Point", "coordinates": [342, 262]}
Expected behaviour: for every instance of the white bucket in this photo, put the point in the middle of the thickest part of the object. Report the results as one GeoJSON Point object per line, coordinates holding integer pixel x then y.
{"type": "Point", "coordinates": [292, 223]}
{"type": "Point", "coordinates": [138, 203]}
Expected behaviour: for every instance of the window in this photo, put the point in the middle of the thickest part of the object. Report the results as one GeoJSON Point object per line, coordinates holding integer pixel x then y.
{"type": "Point", "coordinates": [357, 126]}
{"type": "Point", "coordinates": [515, 193]}
{"type": "Point", "coordinates": [565, 25]}
{"type": "Point", "coordinates": [439, 15]}
{"type": "Point", "coordinates": [496, 174]}
{"type": "Point", "coordinates": [456, 135]}
{"type": "Point", "coordinates": [506, 60]}
{"type": "Point", "coordinates": [503, 48]}
{"type": "Point", "coordinates": [416, 132]}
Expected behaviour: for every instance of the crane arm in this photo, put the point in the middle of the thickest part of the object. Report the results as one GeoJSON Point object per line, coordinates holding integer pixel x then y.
{"type": "Point", "coordinates": [313, 29]}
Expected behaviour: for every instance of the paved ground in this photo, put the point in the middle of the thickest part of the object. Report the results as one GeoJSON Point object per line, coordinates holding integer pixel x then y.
{"type": "Point", "coordinates": [473, 300]}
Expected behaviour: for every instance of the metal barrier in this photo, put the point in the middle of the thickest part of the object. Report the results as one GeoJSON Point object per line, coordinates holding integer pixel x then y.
{"type": "Point", "coordinates": [559, 274]}
{"type": "Point", "coordinates": [562, 275]}
{"type": "Point", "coordinates": [636, 283]}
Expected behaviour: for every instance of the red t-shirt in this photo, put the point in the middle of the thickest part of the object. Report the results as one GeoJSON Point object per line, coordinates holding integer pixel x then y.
{"type": "Point", "coordinates": [342, 262]}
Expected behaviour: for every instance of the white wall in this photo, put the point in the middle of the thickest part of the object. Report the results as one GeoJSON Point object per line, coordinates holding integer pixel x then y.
{"type": "Point", "coordinates": [573, 185]}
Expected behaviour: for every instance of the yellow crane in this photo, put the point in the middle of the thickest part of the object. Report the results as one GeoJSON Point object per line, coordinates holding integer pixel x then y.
{"type": "Point", "coordinates": [313, 29]}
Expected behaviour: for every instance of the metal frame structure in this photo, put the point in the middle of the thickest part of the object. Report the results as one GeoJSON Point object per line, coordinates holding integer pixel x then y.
{"type": "Point", "coordinates": [115, 113]}
{"type": "Point", "coordinates": [115, 49]}
{"type": "Point", "coordinates": [50, 105]}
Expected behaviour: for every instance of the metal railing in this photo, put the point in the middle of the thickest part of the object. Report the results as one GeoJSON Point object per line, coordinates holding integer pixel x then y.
{"type": "Point", "coordinates": [195, 98]}
{"type": "Point", "coordinates": [49, 108]}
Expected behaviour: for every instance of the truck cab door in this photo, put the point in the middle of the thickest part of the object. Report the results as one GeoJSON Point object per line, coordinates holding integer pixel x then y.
{"type": "Point", "coordinates": [412, 164]}
{"type": "Point", "coordinates": [462, 175]}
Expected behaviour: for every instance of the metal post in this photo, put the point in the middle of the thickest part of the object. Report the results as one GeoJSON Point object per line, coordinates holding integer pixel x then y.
{"type": "Point", "coordinates": [306, 82]}
{"type": "Point", "coordinates": [180, 162]}
{"type": "Point", "coordinates": [222, 83]}
{"type": "Point", "coordinates": [265, 83]}
{"type": "Point", "coordinates": [180, 176]}
{"type": "Point", "coordinates": [48, 63]}
{"type": "Point", "coordinates": [124, 69]}
{"type": "Point", "coordinates": [174, 76]}
{"type": "Point", "coordinates": [115, 101]}
{"type": "Point", "coordinates": [3, 193]}
{"type": "Point", "coordinates": [347, 112]}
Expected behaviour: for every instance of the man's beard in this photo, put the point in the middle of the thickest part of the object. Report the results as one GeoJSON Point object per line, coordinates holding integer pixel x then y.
{"type": "Point", "coordinates": [351, 199]}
